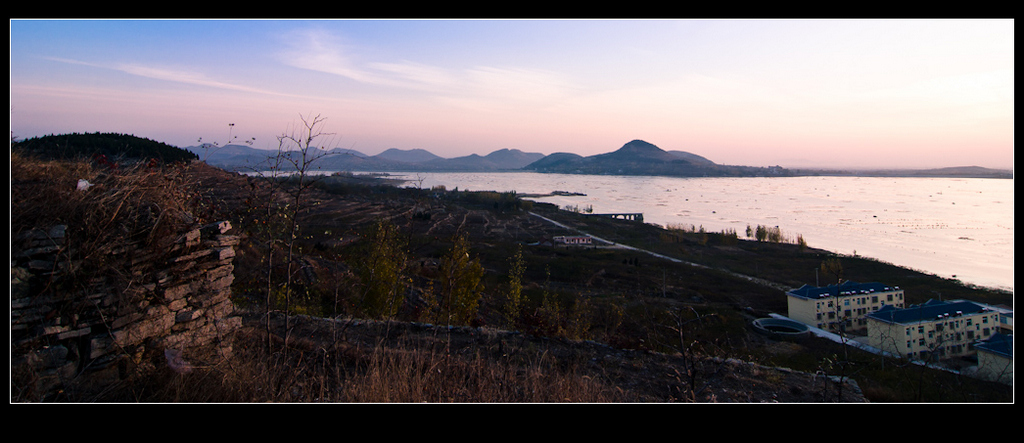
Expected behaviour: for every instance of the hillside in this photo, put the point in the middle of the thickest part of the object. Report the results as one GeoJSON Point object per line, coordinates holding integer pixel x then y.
{"type": "Point", "coordinates": [113, 147]}
{"type": "Point", "coordinates": [642, 158]}
{"type": "Point", "coordinates": [609, 315]}
{"type": "Point", "coordinates": [592, 324]}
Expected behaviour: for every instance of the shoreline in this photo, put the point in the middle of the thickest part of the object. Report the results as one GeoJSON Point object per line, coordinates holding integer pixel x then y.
{"type": "Point", "coordinates": [694, 212]}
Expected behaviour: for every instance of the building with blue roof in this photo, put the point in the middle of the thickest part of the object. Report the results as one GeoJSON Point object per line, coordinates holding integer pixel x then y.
{"type": "Point", "coordinates": [935, 329]}
{"type": "Point", "coordinates": [995, 358]}
{"type": "Point", "coordinates": [841, 307]}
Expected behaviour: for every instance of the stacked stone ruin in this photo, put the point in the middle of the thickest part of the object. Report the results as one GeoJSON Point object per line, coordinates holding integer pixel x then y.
{"type": "Point", "coordinates": [170, 310]}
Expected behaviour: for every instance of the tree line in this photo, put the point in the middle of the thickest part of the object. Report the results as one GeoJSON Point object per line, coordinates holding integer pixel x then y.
{"type": "Point", "coordinates": [111, 146]}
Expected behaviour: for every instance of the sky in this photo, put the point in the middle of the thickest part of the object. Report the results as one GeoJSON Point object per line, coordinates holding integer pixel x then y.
{"type": "Point", "coordinates": [858, 93]}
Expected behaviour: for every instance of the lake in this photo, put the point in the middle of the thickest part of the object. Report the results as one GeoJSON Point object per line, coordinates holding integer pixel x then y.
{"type": "Point", "coordinates": [950, 227]}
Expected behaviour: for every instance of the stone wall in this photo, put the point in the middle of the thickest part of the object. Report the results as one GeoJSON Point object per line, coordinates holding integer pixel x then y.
{"type": "Point", "coordinates": [165, 308]}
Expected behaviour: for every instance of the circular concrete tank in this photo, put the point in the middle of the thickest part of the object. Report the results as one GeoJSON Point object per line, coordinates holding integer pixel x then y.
{"type": "Point", "coordinates": [782, 329]}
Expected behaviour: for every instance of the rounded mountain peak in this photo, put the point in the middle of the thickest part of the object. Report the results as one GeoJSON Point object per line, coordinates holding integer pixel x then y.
{"type": "Point", "coordinates": [642, 151]}
{"type": "Point", "coordinates": [640, 146]}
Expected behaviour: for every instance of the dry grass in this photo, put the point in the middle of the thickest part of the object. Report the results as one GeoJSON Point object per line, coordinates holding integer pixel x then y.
{"type": "Point", "coordinates": [139, 205]}
{"type": "Point", "coordinates": [145, 206]}
{"type": "Point", "coordinates": [312, 371]}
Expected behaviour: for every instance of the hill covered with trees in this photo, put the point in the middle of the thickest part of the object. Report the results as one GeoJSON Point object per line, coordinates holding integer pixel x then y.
{"type": "Point", "coordinates": [111, 146]}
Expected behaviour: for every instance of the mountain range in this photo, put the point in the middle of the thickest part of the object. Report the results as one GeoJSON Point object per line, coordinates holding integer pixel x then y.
{"type": "Point", "coordinates": [636, 157]}
{"type": "Point", "coordinates": [245, 158]}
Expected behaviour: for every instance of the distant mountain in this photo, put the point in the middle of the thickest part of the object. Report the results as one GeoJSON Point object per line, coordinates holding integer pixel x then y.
{"type": "Point", "coordinates": [642, 158]}
{"type": "Point", "coordinates": [637, 157]}
{"type": "Point", "coordinates": [232, 157]}
{"type": "Point", "coordinates": [966, 171]}
{"type": "Point", "coordinates": [556, 161]}
{"type": "Point", "coordinates": [512, 158]}
{"type": "Point", "coordinates": [500, 160]}
{"type": "Point", "coordinates": [238, 157]}
{"type": "Point", "coordinates": [692, 158]}
{"type": "Point", "coordinates": [954, 171]}
{"type": "Point", "coordinates": [337, 151]}
{"type": "Point", "coordinates": [407, 155]}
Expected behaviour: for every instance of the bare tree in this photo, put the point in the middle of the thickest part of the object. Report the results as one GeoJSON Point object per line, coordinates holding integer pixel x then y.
{"type": "Point", "coordinates": [833, 266]}
{"type": "Point", "coordinates": [277, 205]}
{"type": "Point", "coordinates": [690, 346]}
{"type": "Point", "coordinates": [301, 149]}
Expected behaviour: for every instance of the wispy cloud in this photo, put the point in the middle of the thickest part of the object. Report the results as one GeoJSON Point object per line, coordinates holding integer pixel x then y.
{"type": "Point", "coordinates": [171, 75]}
{"type": "Point", "coordinates": [321, 51]}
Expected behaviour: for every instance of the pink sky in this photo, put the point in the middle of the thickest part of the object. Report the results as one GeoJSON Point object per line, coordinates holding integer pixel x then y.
{"type": "Point", "coordinates": [796, 93]}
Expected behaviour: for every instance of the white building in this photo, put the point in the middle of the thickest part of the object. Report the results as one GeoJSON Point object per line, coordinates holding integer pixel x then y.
{"type": "Point", "coordinates": [995, 358]}
{"type": "Point", "coordinates": [841, 307]}
{"type": "Point", "coordinates": [939, 329]}
{"type": "Point", "coordinates": [573, 239]}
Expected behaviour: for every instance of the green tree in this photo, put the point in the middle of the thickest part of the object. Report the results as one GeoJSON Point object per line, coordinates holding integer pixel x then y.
{"type": "Point", "coordinates": [461, 287]}
{"type": "Point", "coordinates": [514, 297]}
{"type": "Point", "coordinates": [383, 271]}
{"type": "Point", "coordinates": [761, 234]}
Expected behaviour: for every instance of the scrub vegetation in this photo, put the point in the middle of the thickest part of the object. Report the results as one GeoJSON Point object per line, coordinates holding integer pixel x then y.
{"type": "Point", "coordinates": [357, 291]}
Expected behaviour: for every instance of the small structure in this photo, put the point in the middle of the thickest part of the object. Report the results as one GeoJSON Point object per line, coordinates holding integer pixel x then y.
{"type": "Point", "coordinates": [633, 216]}
{"type": "Point", "coordinates": [781, 328]}
{"type": "Point", "coordinates": [573, 239]}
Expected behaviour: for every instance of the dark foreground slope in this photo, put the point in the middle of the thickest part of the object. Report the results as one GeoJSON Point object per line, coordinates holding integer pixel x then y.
{"type": "Point", "coordinates": [594, 324]}
{"type": "Point", "coordinates": [597, 324]}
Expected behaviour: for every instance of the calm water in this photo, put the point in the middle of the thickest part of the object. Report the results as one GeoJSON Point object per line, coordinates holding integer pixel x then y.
{"type": "Point", "coordinates": [943, 226]}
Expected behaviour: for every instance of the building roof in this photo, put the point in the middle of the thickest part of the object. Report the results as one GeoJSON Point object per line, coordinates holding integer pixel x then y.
{"type": "Point", "coordinates": [845, 288]}
{"type": "Point", "coordinates": [928, 311]}
{"type": "Point", "coordinates": [1001, 344]}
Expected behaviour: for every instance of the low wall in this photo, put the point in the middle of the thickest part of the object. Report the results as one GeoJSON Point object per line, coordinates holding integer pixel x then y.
{"type": "Point", "coordinates": [169, 308]}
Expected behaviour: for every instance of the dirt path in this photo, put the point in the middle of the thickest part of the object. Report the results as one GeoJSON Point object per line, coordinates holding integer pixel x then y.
{"type": "Point", "coordinates": [610, 243]}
